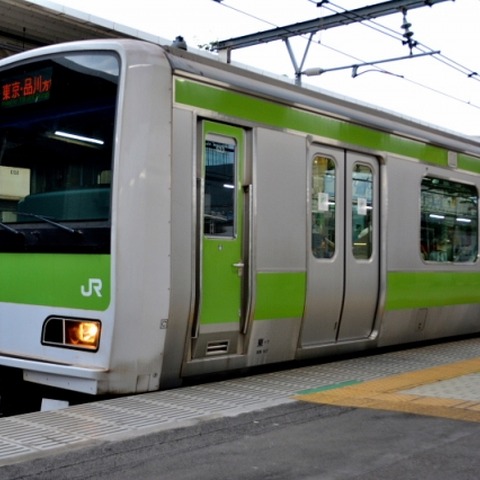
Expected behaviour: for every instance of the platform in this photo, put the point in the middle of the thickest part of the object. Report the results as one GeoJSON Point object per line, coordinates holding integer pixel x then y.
{"type": "Point", "coordinates": [440, 379]}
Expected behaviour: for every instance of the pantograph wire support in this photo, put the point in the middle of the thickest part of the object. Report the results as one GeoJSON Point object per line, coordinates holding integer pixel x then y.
{"type": "Point", "coordinates": [408, 34]}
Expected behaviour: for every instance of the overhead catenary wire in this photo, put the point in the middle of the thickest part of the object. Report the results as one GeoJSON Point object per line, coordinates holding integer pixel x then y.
{"type": "Point", "coordinates": [382, 29]}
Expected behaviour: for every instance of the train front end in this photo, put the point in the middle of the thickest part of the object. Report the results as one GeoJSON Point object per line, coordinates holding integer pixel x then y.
{"type": "Point", "coordinates": [62, 117]}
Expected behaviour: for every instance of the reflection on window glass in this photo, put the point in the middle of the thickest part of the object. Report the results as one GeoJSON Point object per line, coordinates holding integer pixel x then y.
{"type": "Point", "coordinates": [362, 213]}
{"type": "Point", "coordinates": [56, 138]}
{"type": "Point", "coordinates": [323, 207]}
{"type": "Point", "coordinates": [219, 199]}
{"type": "Point", "coordinates": [449, 212]}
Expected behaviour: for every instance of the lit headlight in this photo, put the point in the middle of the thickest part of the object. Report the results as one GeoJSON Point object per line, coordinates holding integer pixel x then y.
{"type": "Point", "coordinates": [71, 333]}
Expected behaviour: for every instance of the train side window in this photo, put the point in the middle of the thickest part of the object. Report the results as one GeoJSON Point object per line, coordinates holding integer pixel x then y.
{"type": "Point", "coordinates": [448, 225]}
{"type": "Point", "coordinates": [219, 195]}
{"type": "Point", "coordinates": [323, 207]}
{"type": "Point", "coordinates": [362, 212]}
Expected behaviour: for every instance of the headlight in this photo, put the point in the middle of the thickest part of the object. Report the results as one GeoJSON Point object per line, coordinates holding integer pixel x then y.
{"type": "Point", "coordinates": [72, 333]}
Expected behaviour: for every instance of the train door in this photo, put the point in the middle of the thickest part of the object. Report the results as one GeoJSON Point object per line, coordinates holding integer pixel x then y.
{"type": "Point", "coordinates": [222, 263]}
{"type": "Point", "coordinates": [343, 258]}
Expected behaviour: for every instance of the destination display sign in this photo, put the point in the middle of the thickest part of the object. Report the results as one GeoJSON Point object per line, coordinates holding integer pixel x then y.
{"type": "Point", "coordinates": [30, 87]}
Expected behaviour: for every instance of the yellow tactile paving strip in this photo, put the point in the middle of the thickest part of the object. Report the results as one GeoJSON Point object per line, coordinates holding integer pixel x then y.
{"type": "Point", "coordinates": [388, 393]}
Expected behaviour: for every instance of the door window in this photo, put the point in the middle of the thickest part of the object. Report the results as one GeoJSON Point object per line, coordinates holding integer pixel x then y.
{"type": "Point", "coordinates": [362, 211]}
{"type": "Point", "coordinates": [219, 197]}
{"type": "Point", "coordinates": [323, 207]}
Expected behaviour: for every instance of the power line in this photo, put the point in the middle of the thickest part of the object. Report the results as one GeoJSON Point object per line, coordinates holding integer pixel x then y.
{"type": "Point", "coordinates": [382, 29]}
{"type": "Point", "coordinates": [422, 47]}
{"type": "Point", "coordinates": [323, 23]}
{"type": "Point", "coordinates": [395, 35]}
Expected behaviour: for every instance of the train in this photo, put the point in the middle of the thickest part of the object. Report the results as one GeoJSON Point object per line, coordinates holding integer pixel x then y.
{"type": "Point", "coordinates": [167, 216]}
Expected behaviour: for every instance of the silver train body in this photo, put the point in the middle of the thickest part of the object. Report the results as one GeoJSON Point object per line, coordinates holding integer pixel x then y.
{"type": "Point", "coordinates": [252, 222]}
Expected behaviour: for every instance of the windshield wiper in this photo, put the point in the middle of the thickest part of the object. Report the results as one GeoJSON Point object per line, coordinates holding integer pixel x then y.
{"type": "Point", "coordinates": [51, 222]}
{"type": "Point", "coordinates": [10, 229]}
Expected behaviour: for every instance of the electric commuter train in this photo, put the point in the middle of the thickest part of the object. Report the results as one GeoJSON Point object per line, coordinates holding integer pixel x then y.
{"type": "Point", "coordinates": [165, 215]}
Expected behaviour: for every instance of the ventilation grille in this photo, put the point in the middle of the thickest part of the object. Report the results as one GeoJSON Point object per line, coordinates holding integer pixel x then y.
{"type": "Point", "coordinates": [218, 347]}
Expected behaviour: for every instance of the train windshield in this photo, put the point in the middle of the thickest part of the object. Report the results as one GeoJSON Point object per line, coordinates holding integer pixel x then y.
{"type": "Point", "coordinates": [57, 120]}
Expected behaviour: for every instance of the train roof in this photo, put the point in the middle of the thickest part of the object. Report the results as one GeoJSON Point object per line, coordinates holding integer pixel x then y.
{"type": "Point", "coordinates": [33, 23]}
{"type": "Point", "coordinates": [282, 89]}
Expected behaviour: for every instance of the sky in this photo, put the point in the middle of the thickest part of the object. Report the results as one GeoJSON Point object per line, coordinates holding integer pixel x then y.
{"type": "Point", "coordinates": [441, 89]}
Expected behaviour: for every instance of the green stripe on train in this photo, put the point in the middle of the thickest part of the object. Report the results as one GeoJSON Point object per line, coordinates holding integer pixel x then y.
{"type": "Point", "coordinates": [56, 280]}
{"type": "Point", "coordinates": [280, 295]}
{"type": "Point", "coordinates": [265, 112]}
{"type": "Point", "coordinates": [431, 289]}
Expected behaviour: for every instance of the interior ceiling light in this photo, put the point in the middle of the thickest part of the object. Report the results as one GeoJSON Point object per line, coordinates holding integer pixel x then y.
{"type": "Point", "coordinates": [80, 138]}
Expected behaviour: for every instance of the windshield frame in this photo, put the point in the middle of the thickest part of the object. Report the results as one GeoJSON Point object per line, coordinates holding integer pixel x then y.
{"type": "Point", "coordinates": [56, 183]}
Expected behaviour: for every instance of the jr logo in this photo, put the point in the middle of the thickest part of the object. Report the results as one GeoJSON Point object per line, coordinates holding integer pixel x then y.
{"type": "Point", "coordinates": [94, 287]}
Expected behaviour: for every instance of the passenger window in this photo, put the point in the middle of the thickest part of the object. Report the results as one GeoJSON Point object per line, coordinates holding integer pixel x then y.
{"type": "Point", "coordinates": [449, 226]}
{"type": "Point", "coordinates": [362, 212]}
{"type": "Point", "coordinates": [323, 207]}
{"type": "Point", "coordinates": [219, 195]}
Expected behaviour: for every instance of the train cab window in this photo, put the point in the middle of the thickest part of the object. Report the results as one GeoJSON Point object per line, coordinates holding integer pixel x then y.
{"type": "Point", "coordinates": [57, 121]}
{"type": "Point", "coordinates": [219, 194]}
{"type": "Point", "coordinates": [362, 213]}
{"type": "Point", "coordinates": [323, 207]}
{"type": "Point", "coordinates": [449, 225]}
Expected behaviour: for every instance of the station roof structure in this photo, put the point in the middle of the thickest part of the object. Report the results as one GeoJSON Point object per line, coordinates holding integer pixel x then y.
{"type": "Point", "coordinates": [27, 24]}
